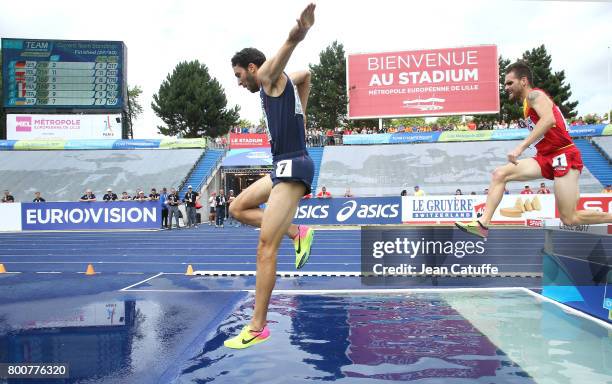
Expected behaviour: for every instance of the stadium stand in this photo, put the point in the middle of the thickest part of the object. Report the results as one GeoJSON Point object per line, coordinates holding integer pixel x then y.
{"type": "Point", "coordinates": [202, 170]}
{"type": "Point", "coordinates": [604, 144]}
{"type": "Point", "coordinates": [595, 161]}
{"type": "Point", "coordinates": [64, 175]}
{"type": "Point", "coordinates": [438, 168]}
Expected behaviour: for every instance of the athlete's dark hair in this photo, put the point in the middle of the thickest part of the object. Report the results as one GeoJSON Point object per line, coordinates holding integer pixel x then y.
{"type": "Point", "coordinates": [521, 69]}
{"type": "Point", "coordinates": [247, 56]}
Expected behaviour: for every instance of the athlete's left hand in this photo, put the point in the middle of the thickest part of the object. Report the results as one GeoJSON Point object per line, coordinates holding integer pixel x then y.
{"type": "Point", "coordinates": [304, 23]}
{"type": "Point", "coordinates": [514, 155]}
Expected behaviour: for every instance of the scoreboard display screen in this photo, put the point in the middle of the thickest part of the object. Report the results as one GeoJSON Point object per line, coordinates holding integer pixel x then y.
{"type": "Point", "coordinates": [55, 74]}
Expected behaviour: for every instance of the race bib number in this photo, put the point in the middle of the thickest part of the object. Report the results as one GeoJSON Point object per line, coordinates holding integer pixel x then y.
{"type": "Point", "coordinates": [559, 161]}
{"type": "Point", "coordinates": [283, 168]}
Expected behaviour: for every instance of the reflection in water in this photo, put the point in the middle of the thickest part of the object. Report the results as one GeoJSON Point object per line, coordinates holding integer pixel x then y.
{"type": "Point", "coordinates": [343, 338]}
{"type": "Point", "coordinates": [95, 340]}
{"type": "Point", "coordinates": [103, 339]}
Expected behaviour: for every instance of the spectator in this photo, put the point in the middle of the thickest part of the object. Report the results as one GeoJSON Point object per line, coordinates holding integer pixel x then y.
{"type": "Point", "coordinates": [228, 216]}
{"type": "Point", "coordinates": [607, 189]}
{"type": "Point", "coordinates": [213, 205]}
{"type": "Point", "coordinates": [37, 198]}
{"type": "Point", "coordinates": [308, 196]}
{"type": "Point", "coordinates": [140, 196]}
{"type": "Point", "coordinates": [486, 191]}
{"type": "Point", "coordinates": [125, 197]}
{"type": "Point", "coordinates": [7, 198]}
{"type": "Point", "coordinates": [162, 199]}
{"type": "Point", "coordinates": [418, 191]}
{"type": "Point", "coordinates": [506, 191]}
{"type": "Point", "coordinates": [330, 137]}
{"type": "Point", "coordinates": [220, 202]}
{"type": "Point", "coordinates": [543, 189]}
{"type": "Point", "coordinates": [348, 193]}
{"type": "Point", "coordinates": [173, 202]}
{"type": "Point", "coordinates": [88, 196]}
{"type": "Point", "coordinates": [527, 191]}
{"type": "Point", "coordinates": [323, 194]}
{"type": "Point", "coordinates": [154, 196]}
{"type": "Point", "coordinates": [472, 193]}
{"type": "Point", "coordinates": [404, 193]}
{"type": "Point", "coordinates": [109, 195]}
{"type": "Point", "coordinates": [190, 200]}
{"type": "Point", "coordinates": [458, 192]}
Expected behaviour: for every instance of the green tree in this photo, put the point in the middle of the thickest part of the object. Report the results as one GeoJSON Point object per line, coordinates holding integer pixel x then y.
{"type": "Point", "coordinates": [508, 110]}
{"type": "Point", "coordinates": [552, 82]}
{"type": "Point", "coordinates": [592, 118]}
{"type": "Point", "coordinates": [409, 122]}
{"type": "Point", "coordinates": [244, 123]}
{"type": "Point", "coordinates": [444, 121]}
{"type": "Point", "coordinates": [327, 102]}
{"type": "Point", "coordinates": [193, 104]}
{"type": "Point", "coordinates": [134, 109]}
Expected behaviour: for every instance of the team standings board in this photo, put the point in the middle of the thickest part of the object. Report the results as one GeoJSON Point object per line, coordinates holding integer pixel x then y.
{"type": "Point", "coordinates": [64, 74]}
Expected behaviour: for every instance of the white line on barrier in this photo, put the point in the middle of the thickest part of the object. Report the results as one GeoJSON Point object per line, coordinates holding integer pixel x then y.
{"type": "Point", "coordinates": [52, 272]}
{"type": "Point", "coordinates": [389, 290]}
{"type": "Point", "coordinates": [579, 259]}
{"type": "Point", "coordinates": [568, 309]}
{"type": "Point", "coordinates": [140, 282]}
{"type": "Point", "coordinates": [187, 290]}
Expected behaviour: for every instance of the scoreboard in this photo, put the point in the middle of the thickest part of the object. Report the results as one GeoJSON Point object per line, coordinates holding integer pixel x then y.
{"type": "Point", "coordinates": [56, 74]}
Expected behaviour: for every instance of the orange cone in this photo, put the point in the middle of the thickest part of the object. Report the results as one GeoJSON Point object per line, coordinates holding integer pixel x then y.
{"type": "Point", "coordinates": [189, 271]}
{"type": "Point", "coordinates": [90, 270]}
{"type": "Point", "coordinates": [2, 269]}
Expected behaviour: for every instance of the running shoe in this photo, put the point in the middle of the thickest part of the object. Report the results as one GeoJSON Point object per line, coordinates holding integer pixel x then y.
{"type": "Point", "coordinates": [247, 338]}
{"type": "Point", "coordinates": [474, 228]}
{"type": "Point", "coordinates": [302, 243]}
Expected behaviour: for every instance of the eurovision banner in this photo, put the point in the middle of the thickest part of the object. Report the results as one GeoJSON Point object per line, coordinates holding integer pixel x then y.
{"type": "Point", "coordinates": [448, 81]}
{"type": "Point", "coordinates": [249, 140]}
{"type": "Point", "coordinates": [93, 215]}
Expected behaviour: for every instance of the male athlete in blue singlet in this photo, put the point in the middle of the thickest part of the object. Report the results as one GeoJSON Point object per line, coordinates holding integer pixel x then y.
{"type": "Point", "coordinates": [283, 98]}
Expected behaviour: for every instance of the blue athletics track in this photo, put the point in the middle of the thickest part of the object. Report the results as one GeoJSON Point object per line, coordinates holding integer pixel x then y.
{"type": "Point", "coordinates": [141, 319]}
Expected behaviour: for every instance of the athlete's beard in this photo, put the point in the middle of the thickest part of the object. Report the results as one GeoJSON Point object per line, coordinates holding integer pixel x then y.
{"type": "Point", "coordinates": [251, 83]}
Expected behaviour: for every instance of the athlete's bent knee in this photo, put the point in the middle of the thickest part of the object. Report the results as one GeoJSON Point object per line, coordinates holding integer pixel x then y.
{"type": "Point", "coordinates": [499, 175]}
{"type": "Point", "coordinates": [235, 211]}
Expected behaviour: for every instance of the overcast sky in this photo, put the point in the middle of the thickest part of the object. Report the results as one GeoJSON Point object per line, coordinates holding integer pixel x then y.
{"type": "Point", "coordinates": [159, 34]}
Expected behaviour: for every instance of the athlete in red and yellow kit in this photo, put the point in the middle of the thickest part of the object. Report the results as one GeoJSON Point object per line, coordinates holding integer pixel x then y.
{"type": "Point", "coordinates": [557, 157]}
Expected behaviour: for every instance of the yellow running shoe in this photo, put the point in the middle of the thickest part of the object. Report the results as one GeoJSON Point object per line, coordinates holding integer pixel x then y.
{"type": "Point", "coordinates": [302, 243]}
{"type": "Point", "coordinates": [247, 338]}
{"type": "Point", "coordinates": [474, 228]}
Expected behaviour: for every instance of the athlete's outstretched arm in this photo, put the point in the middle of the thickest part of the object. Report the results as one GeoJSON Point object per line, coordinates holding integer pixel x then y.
{"type": "Point", "coordinates": [271, 71]}
{"type": "Point", "coordinates": [544, 108]}
{"type": "Point", "coordinates": [301, 80]}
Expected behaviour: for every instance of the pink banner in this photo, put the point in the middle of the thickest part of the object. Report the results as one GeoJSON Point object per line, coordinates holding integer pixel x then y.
{"type": "Point", "coordinates": [437, 82]}
{"type": "Point", "coordinates": [248, 140]}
